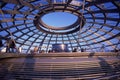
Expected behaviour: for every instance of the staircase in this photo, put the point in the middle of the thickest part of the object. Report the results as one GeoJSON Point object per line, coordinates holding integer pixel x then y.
{"type": "Point", "coordinates": [57, 67]}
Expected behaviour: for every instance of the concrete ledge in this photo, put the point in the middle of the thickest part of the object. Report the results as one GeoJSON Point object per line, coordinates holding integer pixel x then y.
{"type": "Point", "coordinates": [65, 54]}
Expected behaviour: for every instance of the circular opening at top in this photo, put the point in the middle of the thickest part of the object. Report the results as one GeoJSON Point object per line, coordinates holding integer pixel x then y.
{"type": "Point", "coordinates": [59, 19]}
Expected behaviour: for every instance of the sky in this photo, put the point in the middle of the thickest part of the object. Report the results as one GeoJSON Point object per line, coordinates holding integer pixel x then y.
{"type": "Point", "coordinates": [59, 19]}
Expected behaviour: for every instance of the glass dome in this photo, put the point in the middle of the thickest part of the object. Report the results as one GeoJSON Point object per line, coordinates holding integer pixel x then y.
{"type": "Point", "coordinates": [97, 23]}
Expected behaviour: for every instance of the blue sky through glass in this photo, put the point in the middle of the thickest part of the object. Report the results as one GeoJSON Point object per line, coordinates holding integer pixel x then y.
{"type": "Point", "coordinates": [59, 19]}
{"type": "Point", "coordinates": [23, 22]}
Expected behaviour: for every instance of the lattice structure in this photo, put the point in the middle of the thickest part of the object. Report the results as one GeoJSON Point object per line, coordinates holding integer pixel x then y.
{"type": "Point", "coordinates": [99, 24]}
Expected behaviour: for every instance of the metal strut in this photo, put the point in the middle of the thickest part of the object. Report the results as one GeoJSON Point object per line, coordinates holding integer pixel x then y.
{"type": "Point", "coordinates": [79, 33]}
